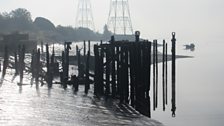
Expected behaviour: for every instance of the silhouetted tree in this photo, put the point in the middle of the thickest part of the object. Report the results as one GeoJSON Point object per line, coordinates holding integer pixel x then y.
{"type": "Point", "coordinates": [20, 20]}
{"type": "Point", "coordinates": [21, 13]}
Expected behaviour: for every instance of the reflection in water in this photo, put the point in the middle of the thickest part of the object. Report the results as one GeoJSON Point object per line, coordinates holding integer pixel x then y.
{"type": "Point", "coordinates": [60, 107]}
{"type": "Point", "coordinates": [37, 90]}
{"type": "Point", "coordinates": [20, 89]}
{"type": "Point", "coordinates": [199, 88]}
{"type": "Point", "coordinates": [49, 92]}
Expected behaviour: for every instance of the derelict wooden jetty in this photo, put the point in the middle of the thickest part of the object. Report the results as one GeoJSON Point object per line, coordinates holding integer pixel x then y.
{"type": "Point", "coordinates": [123, 70]}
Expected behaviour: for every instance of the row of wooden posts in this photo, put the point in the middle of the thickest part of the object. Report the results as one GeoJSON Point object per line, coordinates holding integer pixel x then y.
{"type": "Point", "coordinates": [122, 70]}
{"type": "Point", "coordinates": [39, 59]}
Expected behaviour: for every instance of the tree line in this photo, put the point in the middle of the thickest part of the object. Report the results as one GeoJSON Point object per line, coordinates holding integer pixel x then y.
{"type": "Point", "coordinates": [20, 20]}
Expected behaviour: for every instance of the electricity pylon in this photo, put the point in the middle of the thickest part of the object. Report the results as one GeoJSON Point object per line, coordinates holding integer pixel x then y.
{"type": "Point", "coordinates": [84, 17]}
{"type": "Point", "coordinates": [119, 20]}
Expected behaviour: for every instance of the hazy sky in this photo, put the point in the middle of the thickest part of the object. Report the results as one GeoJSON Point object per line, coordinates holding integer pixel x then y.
{"type": "Point", "coordinates": [193, 20]}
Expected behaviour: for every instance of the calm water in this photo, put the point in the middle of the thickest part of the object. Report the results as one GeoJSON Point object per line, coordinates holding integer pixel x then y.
{"type": "Point", "coordinates": [200, 88]}
{"type": "Point", "coordinates": [200, 100]}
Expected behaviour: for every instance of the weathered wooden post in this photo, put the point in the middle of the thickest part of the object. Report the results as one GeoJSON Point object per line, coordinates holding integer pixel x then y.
{"type": "Point", "coordinates": [137, 77]}
{"type": "Point", "coordinates": [47, 58]}
{"type": "Point", "coordinates": [154, 75]}
{"type": "Point", "coordinates": [84, 49]}
{"type": "Point", "coordinates": [121, 72]}
{"type": "Point", "coordinates": [89, 46]}
{"type": "Point", "coordinates": [96, 70]}
{"type": "Point", "coordinates": [126, 77]}
{"type": "Point", "coordinates": [63, 68]}
{"type": "Point", "coordinates": [163, 77]}
{"type": "Point", "coordinates": [173, 109]}
{"type": "Point", "coordinates": [78, 60]}
{"type": "Point", "coordinates": [156, 48]}
{"type": "Point", "coordinates": [22, 63]}
{"type": "Point", "coordinates": [87, 83]}
{"type": "Point", "coordinates": [65, 63]}
{"type": "Point", "coordinates": [5, 62]}
{"type": "Point", "coordinates": [137, 36]}
{"type": "Point", "coordinates": [48, 66]}
{"type": "Point", "coordinates": [16, 63]}
{"type": "Point", "coordinates": [166, 76]}
{"type": "Point", "coordinates": [113, 74]}
{"type": "Point", "coordinates": [101, 69]}
{"type": "Point", "coordinates": [53, 56]}
{"type": "Point", "coordinates": [37, 67]}
{"type": "Point", "coordinates": [67, 48]}
{"type": "Point", "coordinates": [118, 58]}
{"type": "Point", "coordinates": [107, 71]}
{"type": "Point", "coordinates": [32, 67]}
{"type": "Point", "coordinates": [149, 75]}
{"type": "Point", "coordinates": [132, 74]}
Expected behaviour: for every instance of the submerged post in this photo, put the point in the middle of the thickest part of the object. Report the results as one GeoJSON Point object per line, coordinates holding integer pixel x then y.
{"type": "Point", "coordinates": [173, 100]}
{"type": "Point", "coordinates": [154, 74]}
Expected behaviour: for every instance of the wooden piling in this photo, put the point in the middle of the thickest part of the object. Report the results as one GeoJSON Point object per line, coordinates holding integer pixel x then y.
{"type": "Point", "coordinates": [16, 63]}
{"type": "Point", "coordinates": [89, 46]}
{"type": "Point", "coordinates": [49, 84]}
{"type": "Point", "coordinates": [163, 77]}
{"type": "Point", "coordinates": [84, 49]}
{"type": "Point", "coordinates": [6, 61]}
{"type": "Point", "coordinates": [121, 78]}
{"type": "Point", "coordinates": [62, 74]}
{"type": "Point", "coordinates": [78, 60]}
{"type": "Point", "coordinates": [107, 73]}
{"type": "Point", "coordinates": [37, 67]}
{"type": "Point", "coordinates": [156, 48]}
{"type": "Point", "coordinates": [154, 75]}
{"type": "Point", "coordinates": [166, 72]}
{"type": "Point", "coordinates": [87, 83]}
{"type": "Point", "coordinates": [96, 71]}
{"type": "Point", "coordinates": [173, 109]}
{"type": "Point", "coordinates": [101, 72]}
{"type": "Point", "coordinates": [118, 65]}
{"type": "Point", "coordinates": [22, 63]}
{"type": "Point", "coordinates": [113, 71]}
{"type": "Point", "coordinates": [132, 75]}
{"type": "Point", "coordinates": [126, 75]}
{"type": "Point", "coordinates": [149, 81]}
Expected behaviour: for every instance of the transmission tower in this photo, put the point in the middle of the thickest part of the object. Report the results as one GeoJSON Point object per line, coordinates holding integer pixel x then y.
{"type": "Point", "coordinates": [119, 20]}
{"type": "Point", "coordinates": [84, 17]}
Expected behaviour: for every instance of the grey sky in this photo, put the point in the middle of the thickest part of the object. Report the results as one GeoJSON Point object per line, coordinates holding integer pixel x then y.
{"type": "Point", "coordinates": [193, 20]}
